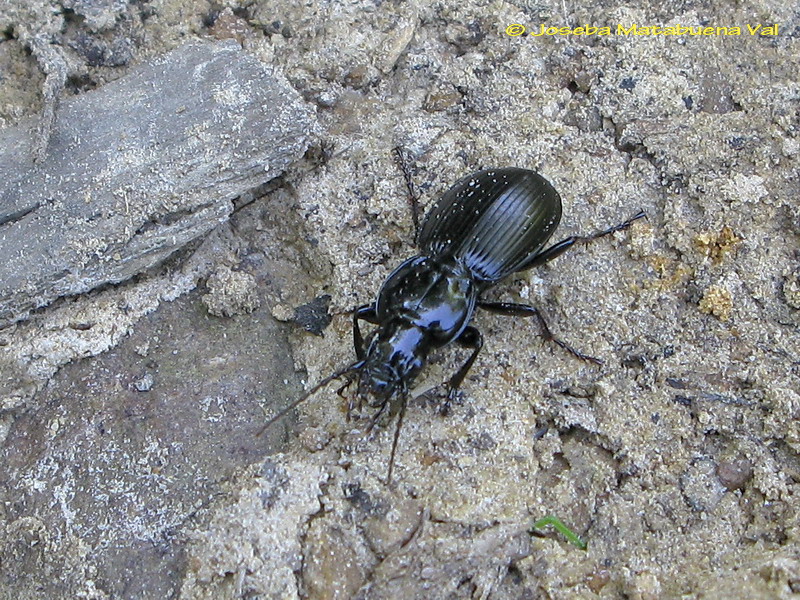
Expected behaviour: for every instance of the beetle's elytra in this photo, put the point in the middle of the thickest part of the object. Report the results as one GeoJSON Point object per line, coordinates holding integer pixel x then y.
{"type": "Point", "coordinates": [488, 225]}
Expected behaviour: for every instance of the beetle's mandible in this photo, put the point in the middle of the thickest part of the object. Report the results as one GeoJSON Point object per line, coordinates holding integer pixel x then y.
{"type": "Point", "coordinates": [488, 225]}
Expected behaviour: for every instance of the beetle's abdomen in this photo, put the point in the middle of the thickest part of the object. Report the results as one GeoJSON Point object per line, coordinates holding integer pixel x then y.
{"type": "Point", "coordinates": [492, 221]}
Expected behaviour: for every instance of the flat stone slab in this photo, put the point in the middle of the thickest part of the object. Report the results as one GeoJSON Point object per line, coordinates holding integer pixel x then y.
{"type": "Point", "coordinates": [138, 168]}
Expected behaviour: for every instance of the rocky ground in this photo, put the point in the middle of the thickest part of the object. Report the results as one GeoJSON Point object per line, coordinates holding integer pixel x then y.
{"type": "Point", "coordinates": [131, 465]}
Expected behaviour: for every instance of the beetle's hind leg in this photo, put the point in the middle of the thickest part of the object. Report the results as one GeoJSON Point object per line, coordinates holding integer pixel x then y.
{"type": "Point", "coordinates": [559, 248]}
{"type": "Point", "coordinates": [525, 310]}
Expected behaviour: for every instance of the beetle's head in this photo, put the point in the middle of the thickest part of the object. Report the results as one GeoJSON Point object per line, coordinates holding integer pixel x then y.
{"type": "Point", "coordinates": [394, 358]}
{"type": "Point", "coordinates": [380, 381]}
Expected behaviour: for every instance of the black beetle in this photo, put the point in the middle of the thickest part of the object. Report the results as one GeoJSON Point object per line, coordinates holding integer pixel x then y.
{"type": "Point", "coordinates": [488, 225]}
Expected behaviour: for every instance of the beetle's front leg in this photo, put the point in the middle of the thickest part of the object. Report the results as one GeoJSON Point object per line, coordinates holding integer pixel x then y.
{"type": "Point", "coordinates": [470, 338]}
{"type": "Point", "coordinates": [525, 310]}
{"type": "Point", "coordinates": [366, 313]}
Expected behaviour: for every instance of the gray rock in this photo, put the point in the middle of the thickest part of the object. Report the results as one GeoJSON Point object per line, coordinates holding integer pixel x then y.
{"type": "Point", "coordinates": [139, 168]}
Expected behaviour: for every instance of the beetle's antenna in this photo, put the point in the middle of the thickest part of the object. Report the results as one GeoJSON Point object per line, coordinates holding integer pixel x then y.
{"type": "Point", "coordinates": [396, 438]}
{"type": "Point", "coordinates": [348, 369]}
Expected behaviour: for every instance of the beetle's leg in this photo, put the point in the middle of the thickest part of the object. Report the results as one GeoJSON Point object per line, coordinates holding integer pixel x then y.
{"type": "Point", "coordinates": [470, 338]}
{"type": "Point", "coordinates": [366, 313]}
{"type": "Point", "coordinates": [376, 417]}
{"type": "Point", "coordinates": [350, 402]}
{"type": "Point", "coordinates": [412, 193]}
{"type": "Point", "coordinates": [396, 438]}
{"type": "Point", "coordinates": [343, 387]}
{"type": "Point", "coordinates": [525, 310]}
{"type": "Point", "coordinates": [564, 245]}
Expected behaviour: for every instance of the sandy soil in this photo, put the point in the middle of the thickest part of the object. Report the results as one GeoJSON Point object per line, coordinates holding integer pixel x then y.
{"type": "Point", "coordinates": [131, 468]}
